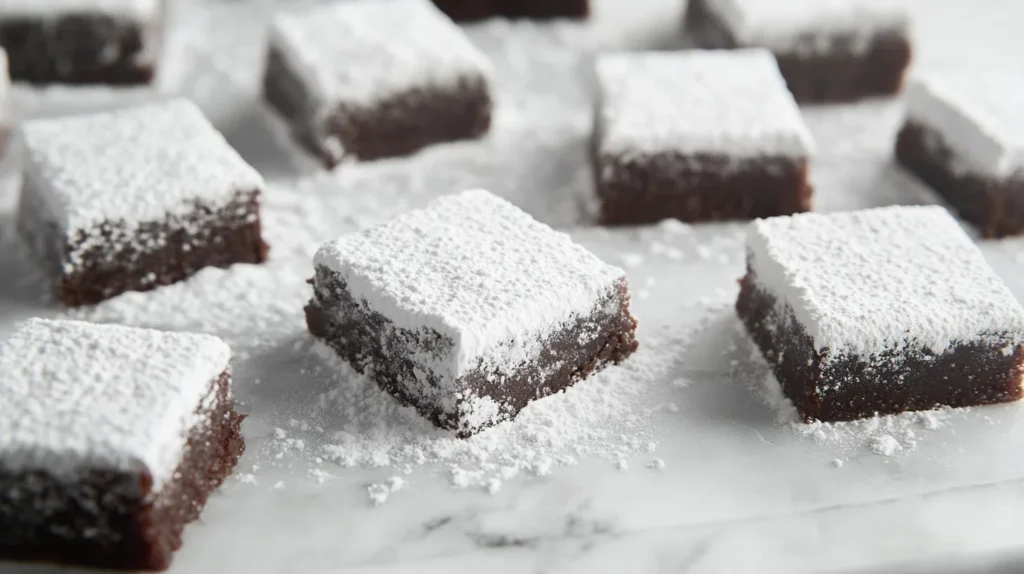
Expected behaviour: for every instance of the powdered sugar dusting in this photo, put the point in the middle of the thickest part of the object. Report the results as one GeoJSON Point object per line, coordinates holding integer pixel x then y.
{"type": "Point", "coordinates": [980, 115]}
{"type": "Point", "coordinates": [801, 26]}
{"type": "Point", "coordinates": [733, 103]}
{"type": "Point", "coordinates": [346, 51]}
{"type": "Point", "coordinates": [355, 424]}
{"type": "Point", "coordinates": [864, 282]}
{"type": "Point", "coordinates": [477, 270]}
{"type": "Point", "coordinates": [130, 166]}
{"type": "Point", "coordinates": [77, 395]}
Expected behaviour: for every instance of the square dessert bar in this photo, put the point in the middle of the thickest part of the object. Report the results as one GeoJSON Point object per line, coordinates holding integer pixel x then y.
{"type": "Point", "coordinates": [136, 198]}
{"type": "Point", "coordinates": [469, 309]}
{"type": "Point", "coordinates": [468, 10]}
{"type": "Point", "coordinates": [964, 136]}
{"type": "Point", "coordinates": [828, 50]}
{"type": "Point", "coordinates": [880, 311]}
{"type": "Point", "coordinates": [369, 79]}
{"type": "Point", "coordinates": [82, 41]}
{"type": "Point", "coordinates": [111, 440]}
{"type": "Point", "coordinates": [698, 136]}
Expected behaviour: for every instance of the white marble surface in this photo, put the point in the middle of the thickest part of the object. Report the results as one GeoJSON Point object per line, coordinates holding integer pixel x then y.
{"type": "Point", "coordinates": [740, 491]}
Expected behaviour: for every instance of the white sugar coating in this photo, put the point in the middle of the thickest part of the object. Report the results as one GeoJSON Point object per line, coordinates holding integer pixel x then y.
{"type": "Point", "coordinates": [786, 25]}
{"type": "Point", "coordinates": [363, 51]}
{"type": "Point", "coordinates": [864, 282]}
{"type": "Point", "coordinates": [979, 115]}
{"type": "Point", "coordinates": [77, 396]}
{"type": "Point", "coordinates": [133, 165]}
{"type": "Point", "coordinates": [132, 9]}
{"type": "Point", "coordinates": [478, 270]}
{"type": "Point", "coordinates": [728, 102]}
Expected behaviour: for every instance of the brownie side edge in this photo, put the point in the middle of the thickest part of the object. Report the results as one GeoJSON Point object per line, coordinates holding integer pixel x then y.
{"type": "Point", "coordinates": [113, 259]}
{"type": "Point", "coordinates": [639, 189]}
{"type": "Point", "coordinates": [110, 519]}
{"type": "Point", "coordinates": [81, 48]}
{"type": "Point", "coordinates": [394, 126]}
{"type": "Point", "coordinates": [847, 387]}
{"type": "Point", "coordinates": [995, 206]}
{"type": "Point", "coordinates": [372, 345]}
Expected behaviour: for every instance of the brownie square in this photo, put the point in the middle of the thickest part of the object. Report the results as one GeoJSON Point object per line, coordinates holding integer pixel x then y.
{"type": "Point", "coordinates": [369, 79]}
{"type": "Point", "coordinates": [834, 51]}
{"type": "Point", "coordinates": [111, 440]}
{"type": "Point", "coordinates": [470, 10]}
{"type": "Point", "coordinates": [964, 137]}
{"type": "Point", "coordinates": [469, 309]}
{"type": "Point", "coordinates": [698, 136]}
{"type": "Point", "coordinates": [880, 311]}
{"type": "Point", "coordinates": [136, 198]}
{"type": "Point", "coordinates": [82, 41]}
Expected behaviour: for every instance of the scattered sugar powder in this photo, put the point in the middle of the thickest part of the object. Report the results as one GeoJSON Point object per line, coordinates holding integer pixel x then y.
{"type": "Point", "coordinates": [604, 417]}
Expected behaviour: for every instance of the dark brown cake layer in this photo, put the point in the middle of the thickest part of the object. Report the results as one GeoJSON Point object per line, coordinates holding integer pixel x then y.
{"type": "Point", "coordinates": [395, 126]}
{"type": "Point", "coordinates": [996, 206]}
{"type": "Point", "coordinates": [847, 71]}
{"type": "Point", "coordinates": [81, 49]}
{"type": "Point", "coordinates": [847, 387]}
{"type": "Point", "coordinates": [111, 519]}
{"type": "Point", "coordinates": [90, 270]}
{"type": "Point", "coordinates": [470, 10]}
{"type": "Point", "coordinates": [371, 344]}
{"type": "Point", "coordinates": [648, 189]}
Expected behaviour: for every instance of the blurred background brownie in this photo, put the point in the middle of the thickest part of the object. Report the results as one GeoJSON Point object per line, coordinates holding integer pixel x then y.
{"type": "Point", "coordinates": [964, 136]}
{"type": "Point", "coordinates": [468, 10]}
{"type": "Point", "coordinates": [828, 51]}
{"type": "Point", "coordinates": [370, 79]}
{"type": "Point", "coordinates": [135, 198]}
{"type": "Point", "coordinates": [82, 41]}
{"type": "Point", "coordinates": [698, 136]}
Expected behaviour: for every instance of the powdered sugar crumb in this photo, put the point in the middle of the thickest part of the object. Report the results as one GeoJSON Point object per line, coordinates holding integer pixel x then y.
{"type": "Point", "coordinates": [885, 445]}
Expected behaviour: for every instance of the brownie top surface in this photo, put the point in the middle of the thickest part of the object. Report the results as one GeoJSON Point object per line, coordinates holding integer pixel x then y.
{"type": "Point", "coordinates": [77, 395]}
{"type": "Point", "coordinates": [979, 114]}
{"type": "Point", "coordinates": [785, 25]}
{"type": "Point", "coordinates": [729, 102]}
{"type": "Point", "coordinates": [134, 165]}
{"type": "Point", "coordinates": [867, 281]}
{"type": "Point", "coordinates": [363, 51]}
{"type": "Point", "coordinates": [132, 9]}
{"type": "Point", "coordinates": [474, 268]}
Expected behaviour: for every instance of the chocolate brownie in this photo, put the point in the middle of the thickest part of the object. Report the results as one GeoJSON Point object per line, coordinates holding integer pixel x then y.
{"type": "Point", "coordinates": [369, 79]}
{"type": "Point", "coordinates": [963, 137]}
{"type": "Point", "coordinates": [469, 10]}
{"type": "Point", "coordinates": [469, 309]}
{"type": "Point", "coordinates": [880, 311]}
{"type": "Point", "coordinates": [698, 136]}
{"type": "Point", "coordinates": [136, 198]}
{"type": "Point", "coordinates": [834, 51]}
{"type": "Point", "coordinates": [82, 41]}
{"type": "Point", "coordinates": [111, 440]}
